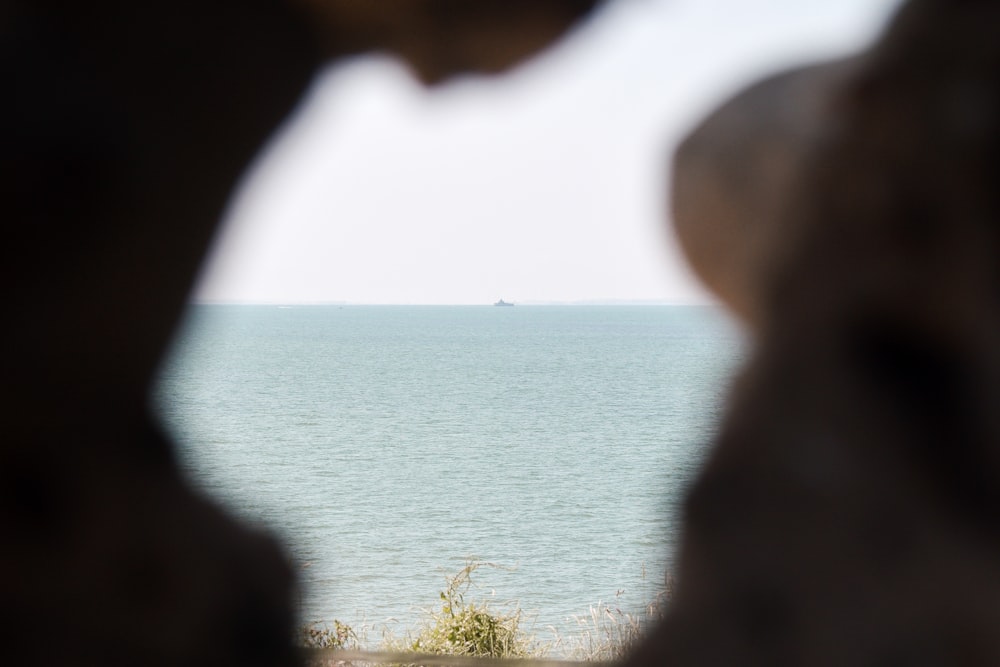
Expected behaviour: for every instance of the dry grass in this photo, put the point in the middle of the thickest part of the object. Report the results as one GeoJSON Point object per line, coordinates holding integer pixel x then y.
{"type": "Point", "coordinates": [608, 632]}
{"type": "Point", "coordinates": [473, 628]}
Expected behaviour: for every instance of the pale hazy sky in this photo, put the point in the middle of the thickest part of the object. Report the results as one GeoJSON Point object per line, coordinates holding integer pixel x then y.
{"type": "Point", "coordinates": [547, 184]}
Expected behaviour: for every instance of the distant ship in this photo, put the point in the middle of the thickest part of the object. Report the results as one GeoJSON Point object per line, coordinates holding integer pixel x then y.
{"type": "Point", "coordinates": [501, 302]}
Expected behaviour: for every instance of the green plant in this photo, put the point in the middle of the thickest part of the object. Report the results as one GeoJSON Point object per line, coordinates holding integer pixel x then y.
{"type": "Point", "coordinates": [461, 627]}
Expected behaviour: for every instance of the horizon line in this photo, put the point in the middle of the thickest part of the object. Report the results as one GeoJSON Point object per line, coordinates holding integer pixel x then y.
{"type": "Point", "coordinates": [527, 302]}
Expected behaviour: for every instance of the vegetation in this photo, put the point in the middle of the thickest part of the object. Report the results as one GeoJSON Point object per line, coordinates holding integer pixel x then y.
{"type": "Point", "coordinates": [340, 636]}
{"type": "Point", "coordinates": [463, 626]}
{"type": "Point", "coordinates": [608, 632]}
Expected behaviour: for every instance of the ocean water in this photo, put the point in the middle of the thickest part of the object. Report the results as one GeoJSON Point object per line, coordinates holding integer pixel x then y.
{"type": "Point", "coordinates": [387, 444]}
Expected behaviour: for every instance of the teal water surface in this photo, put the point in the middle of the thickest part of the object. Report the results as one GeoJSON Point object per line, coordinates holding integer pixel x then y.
{"type": "Point", "coordinates": [387, 444]}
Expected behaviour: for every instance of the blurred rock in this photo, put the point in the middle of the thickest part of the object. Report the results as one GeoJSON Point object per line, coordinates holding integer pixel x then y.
{"type": "Point", "coordinates": [849, 512]}
{"type": "Point", "coordinates": [125, 128]}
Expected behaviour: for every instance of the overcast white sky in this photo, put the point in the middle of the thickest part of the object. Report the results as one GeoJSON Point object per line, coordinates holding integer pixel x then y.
{"type": "Point", "coordinates": [547, 184]}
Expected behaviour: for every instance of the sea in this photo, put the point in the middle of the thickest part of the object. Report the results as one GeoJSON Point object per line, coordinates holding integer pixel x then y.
{"type": "Point", "coordinates": [387, 446]}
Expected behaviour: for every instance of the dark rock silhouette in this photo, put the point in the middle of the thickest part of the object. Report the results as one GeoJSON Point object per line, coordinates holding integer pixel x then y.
{"type": "Point", "coordinates": [125, 127]}
{"type": "Point", "coordinates": [849, 512]}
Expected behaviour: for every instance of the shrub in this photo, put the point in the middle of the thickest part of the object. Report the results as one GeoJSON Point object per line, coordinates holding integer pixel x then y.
{"type": "Point", "coordinates": [468, 628]}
